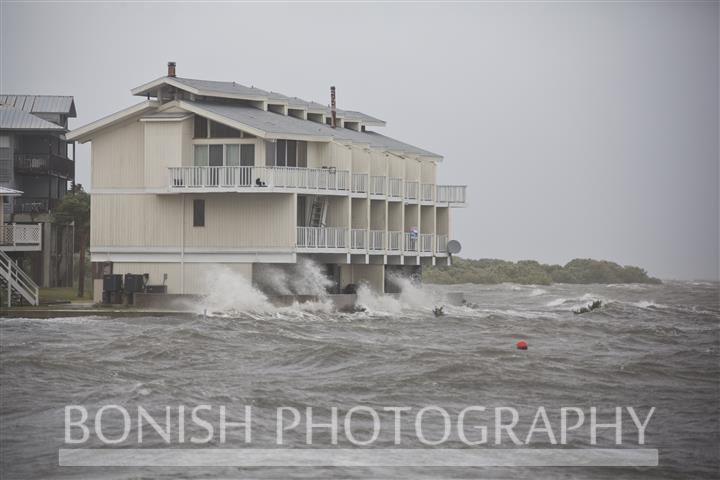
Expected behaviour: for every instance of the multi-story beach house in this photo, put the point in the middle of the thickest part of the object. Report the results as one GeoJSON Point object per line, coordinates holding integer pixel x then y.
{"type": "Point", "coordinates": [36, 166]}
{"type": "Point", "coordinates": [207, 173]}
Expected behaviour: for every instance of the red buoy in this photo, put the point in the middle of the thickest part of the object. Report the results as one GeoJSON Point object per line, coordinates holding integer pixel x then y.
{"type": "Point", "coordinates": [522, 345]}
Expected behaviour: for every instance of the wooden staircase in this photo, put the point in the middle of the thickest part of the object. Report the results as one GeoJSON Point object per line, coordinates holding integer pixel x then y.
{"type": "Point", "coordinates": [17, 287]}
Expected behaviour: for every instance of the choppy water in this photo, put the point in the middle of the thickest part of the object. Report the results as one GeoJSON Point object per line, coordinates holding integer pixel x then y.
{"type": "Point", "coordinates": [648, 346]}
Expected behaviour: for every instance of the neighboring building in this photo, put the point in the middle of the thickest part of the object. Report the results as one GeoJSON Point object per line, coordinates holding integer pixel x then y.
{"type": "Point", "coordinates": [204, 173]}
{"type": "Point", "coordinates": [34, 159]}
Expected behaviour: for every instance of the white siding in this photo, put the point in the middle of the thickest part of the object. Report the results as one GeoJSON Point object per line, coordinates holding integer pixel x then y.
{"type": "Point", "coordinates": [118, 156]}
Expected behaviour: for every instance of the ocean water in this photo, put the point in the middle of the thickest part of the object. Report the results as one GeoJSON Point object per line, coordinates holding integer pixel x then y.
{"type": "Point", "coordinates": [648, 346]}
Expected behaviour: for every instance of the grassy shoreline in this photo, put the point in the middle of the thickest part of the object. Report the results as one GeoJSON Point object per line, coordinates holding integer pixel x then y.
{"type": "Point", "coordinates": [489, 271]}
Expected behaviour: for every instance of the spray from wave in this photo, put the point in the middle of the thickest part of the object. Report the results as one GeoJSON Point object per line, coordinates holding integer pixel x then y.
{"type": "Point", "coordinates": [303, 278]}
{"type": "Point", "coordinates": [230, 292]}
{"type": "Point", "coordinates": [412, 296]}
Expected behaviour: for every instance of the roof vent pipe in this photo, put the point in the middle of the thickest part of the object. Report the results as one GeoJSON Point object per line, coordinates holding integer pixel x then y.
{"type": "Point", "coordinates": [171, 69]}
{"type": "Point", "coordinates": [332, 107]}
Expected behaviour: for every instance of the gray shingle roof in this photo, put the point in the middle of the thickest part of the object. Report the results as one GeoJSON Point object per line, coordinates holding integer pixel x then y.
{"type": "Point", "coordinates": [281, 124]}
{"type": "Point", "coordinates": [41, 103]}
{"type": "Point", "coordinates": [14, 119]}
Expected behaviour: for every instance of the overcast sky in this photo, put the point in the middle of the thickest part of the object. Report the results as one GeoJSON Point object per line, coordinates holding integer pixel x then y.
{"type": "Point", "coordinates": [581, 130]}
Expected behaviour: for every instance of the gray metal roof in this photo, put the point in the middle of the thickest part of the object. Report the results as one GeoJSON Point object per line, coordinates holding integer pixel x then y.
{"type": "Point", "coordinates": [233, 88]}
{"type": "Point", "coordinates": [9, 192]}
{"type": "Point", "coordinates": [14, 119]}
{"type": "Point", "coordinates": [41, 103]}
{"type": "Point", "coordinates": [286, 125]}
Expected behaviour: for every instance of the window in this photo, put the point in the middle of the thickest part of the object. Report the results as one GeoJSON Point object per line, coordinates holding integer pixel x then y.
{"type": "Point", "coordinates": [232, 155]}
{"type": "Point", "coordinates": [291, 154]}
{"type": "Point", "coordinates": [198, 213]}
{"type": "Point", "coordinates": [229, 155]}
{"type": "Point", "coordinates": [218, 130]}
{"type": "Point", "coordinates": [201, 127]}
{"type": "Point", "coordinates": [201, 155]}
{"type": "Point", "coordinates": [280, 151]}
{"type": "Point", "coordinates": [216, 156]}
{"type": "Point", "coordinates": [286, 153]}
{"type": "Point", "coordinates": [247, 157]}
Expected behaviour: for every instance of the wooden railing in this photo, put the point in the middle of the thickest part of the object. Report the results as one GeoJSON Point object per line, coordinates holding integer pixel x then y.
{"type": "Point", "coordinates": [426, 242]}
{"type": "Point", "coordinates": [359, 182]}
{"type": "Point", "coordinates": [321, 237]}
{"type": "Point", "coordinates": [441, 241]}
{"type": "Point", "coordinates": [17, 280]}
{"type": "Point", "coordinates": [395, 187]}
{"type": "Point", "coordinates": [426, 192]}
{"type": "Point", "coordinates": [377, 240]}
{"type": "Point", "coordinates": [451, 194]}
{"type": "Point", "coordinates": [395, 241]}
{"type": "Point", "coordinates": [21, 235]}
{"type": "Point", "coordinates": [377, 185]}
{"type": "Point", "coordinates": [358, 239]}
{"type": "Point", "coordinates": [259, 177]}
{"type": "Point", "coordinates": [44, 163]}
{"type": "Point", "coordinates": [411, 242]}
{"type": "Point", "coordinates": [411, 190]}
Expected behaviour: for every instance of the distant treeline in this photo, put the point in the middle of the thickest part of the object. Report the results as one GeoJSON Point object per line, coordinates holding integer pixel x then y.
{"type": "Point", "coordinates": [530, 272]}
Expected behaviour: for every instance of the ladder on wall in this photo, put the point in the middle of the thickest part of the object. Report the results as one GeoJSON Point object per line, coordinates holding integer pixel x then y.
{"type": "Point", "coordinates": [16, 284]}
{"type": "Point", "coordinates": [318, 212]}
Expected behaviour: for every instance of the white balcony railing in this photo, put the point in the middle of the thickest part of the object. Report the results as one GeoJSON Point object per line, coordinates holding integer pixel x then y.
{"type": "Point", "coordinates": [450, 194]}
{"type": "Point", "coordinates": [426, 192]}
{"type": "Point", "coordinates": [321, 237]}
{"type": "Point", "coordinates": [377, 185]}
{"type": "Point", "coordinates": [395, 187]}
{"type": "Point", "coordinates": [359, 182]}
{"type": "Point", "coordinates": [411, 190]}
{"type": "Point", "coordinates": [441, 243]}
{"type": "Point", "coordinates": [358, 239]}
{"type": "Point", "coordinates": [377, 240]}
{"type": "Point", "coordinates": [259, 177]}
{"type": "Point", "coordinates": [426, 242]}
{"type": "Point", "coordinates": [411, 242]}
{"type": "Point", "coordinates": [395, 241]}
{"type": "Point", "coordinates": [14, 235]}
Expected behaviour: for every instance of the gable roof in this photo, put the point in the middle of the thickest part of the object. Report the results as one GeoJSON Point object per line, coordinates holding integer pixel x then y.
{"type": "Point", "coordinates": [41, 103]}
{"type": "Point", "coordinates": [14, 119]}
{"type": "Point", "coordinates": [212, 88]}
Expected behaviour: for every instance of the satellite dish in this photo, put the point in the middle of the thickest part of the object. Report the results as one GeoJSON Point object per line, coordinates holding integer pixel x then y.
{"type": "Point", "coordinates": [453, 247]}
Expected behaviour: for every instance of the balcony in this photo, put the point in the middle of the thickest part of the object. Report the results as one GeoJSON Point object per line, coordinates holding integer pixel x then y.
{"type": "Point", "coordinates": [395, 188]}
{"type": "Point", "coordinates": [35, 204]}
{"type": "Point", "coordinates": [359, 183]}
{"type": "Point", "coordinates": [452, 195]}
{"type": "Point", "coordinates": [358, 239]}
{"type": "Point", "coordinates": [411, 243]}
{"type": "Point", "coordinates": [426, 192]}
{"type": "Point", "coordinates": [395, 241]}
{"type": "Point", "coordinates": [282, 179]}
{"type": "Point", "coordinates": [335, 240]}
{"type": "Point", "coordinates": [322, 237]}
{"type": "Point", "coordinates": [377, 240]}
{"type": "Point", "coordinates": [377, 186]}
{"type": "Point", "coordinates": [15, 237]}
{"type": "Point", "coordinates": [44, 164]}
{"type": "Point", "coordinates": [411, 190]}
{"type": "Point", "coordinates": [426, 242]}
{"type": "Point", "coordinates": [441, 244]}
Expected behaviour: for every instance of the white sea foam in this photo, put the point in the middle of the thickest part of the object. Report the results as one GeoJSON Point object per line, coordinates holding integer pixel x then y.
{"type": "Point", "coordinates": [537, 292]}
{"type": "Point", "coordinates": [555, 303]}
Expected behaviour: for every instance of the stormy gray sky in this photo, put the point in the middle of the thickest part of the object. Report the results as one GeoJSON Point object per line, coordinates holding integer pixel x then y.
{"type": "Point", "coordinates": [582, 129]}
